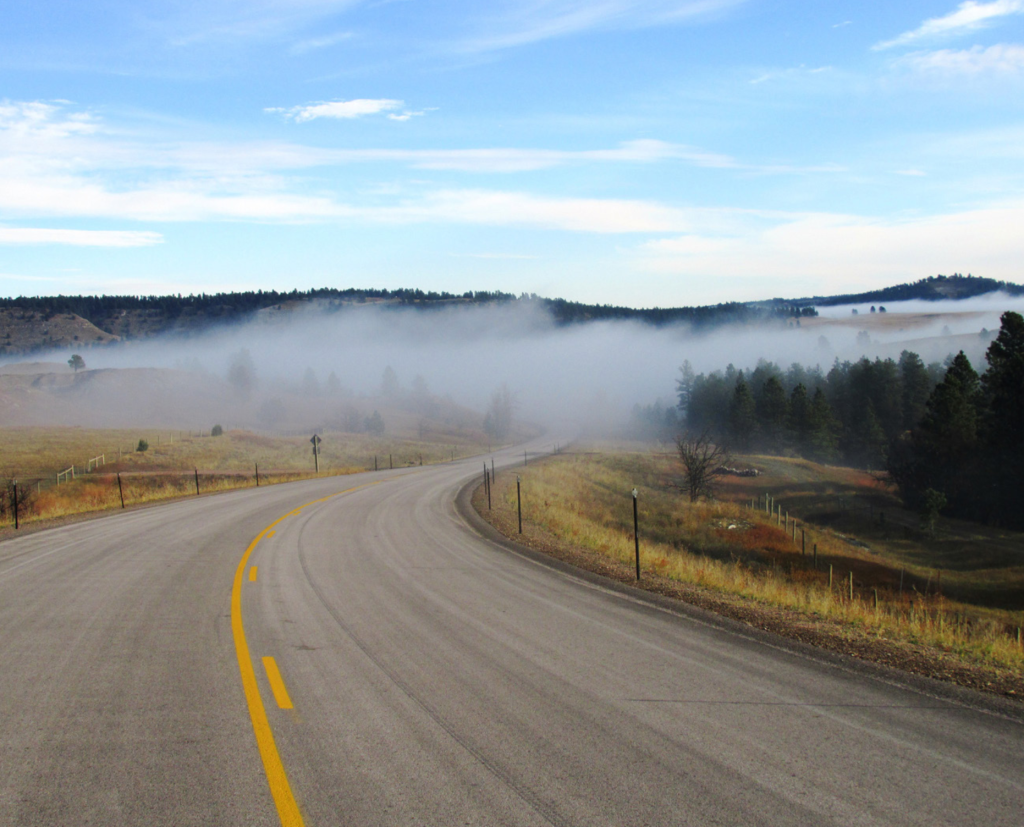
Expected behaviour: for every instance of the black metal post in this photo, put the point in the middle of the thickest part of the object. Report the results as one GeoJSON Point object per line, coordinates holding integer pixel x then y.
{"type": "Point", "coordinates": [636, 534]}
{"type": "Point", "coordinates": [120, 490]}
{"type": "Point", "coordinates": [16, 525]}
{"type": "Point", "coordinates": [374, 462]}
{"type": "Point", "coordinates": [391, 463]}
{"type": "Point", "coordinates": [492, 468]}
{"type": "Point", "coordinates": [257, 475]}
{"type": "Point", "coordinates": [519, 504]}
{"type": "Point", "coordinates": [197, 479]}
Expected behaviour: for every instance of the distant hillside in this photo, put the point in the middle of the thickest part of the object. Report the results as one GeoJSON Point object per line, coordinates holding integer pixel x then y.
{"type": "Point", "coordinates": [26, 322]}
{"type": "Point", "coordinates": [934, 288]}
{"type": "Point", "coordinates": [30, 324]}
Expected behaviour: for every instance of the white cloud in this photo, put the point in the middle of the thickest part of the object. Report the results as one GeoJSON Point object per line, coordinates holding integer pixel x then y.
{"type": "Point", "coordinates": [968, 16]}
{"type": "Point", "coordinates": [1001, 59]}
{"type": "Point", "coordinates": [832, 247]}
{"type": "Point", "coordinates": [344, 110]}
{"type": "Point", "coordinates": [80, 238]}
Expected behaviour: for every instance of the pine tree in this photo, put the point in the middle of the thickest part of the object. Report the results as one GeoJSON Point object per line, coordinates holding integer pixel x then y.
{"type": "Point", "coordinates": [772, 413]}
{"type": "Point", "coordinates": [1002, 424]}
{"type": "Point", "coordinates": [824, 429]}
{"type": "Point", "coordinates": [799, 421]}
{"type": "Point", "coordinates": [742, 415]}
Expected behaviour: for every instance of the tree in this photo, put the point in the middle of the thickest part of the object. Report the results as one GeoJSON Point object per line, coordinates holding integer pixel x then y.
{"type": "Point", "coordinates": [310, 384]}
{"type": "Point", "coordinates": [772, 413]}
{"type": "Point", "coordinates": [703, 462]}
{"type": "Point", "coordinates": [374, 424]}
{"type": "Point", "coordinates": [389, 383]}
{"type": "Point", "coordinates": [684, 387]}
{"type": "Point", "coordinates": [916, 386]}
{"type": "Point", "coordinates": [799, 420]}
{"type": "Point", "coordinates": [242, 373]}
{"type": "Point", "coordinates": [76, 363]}
{"type": "Point", "coordinates": [742, 414]}
{"type": "Point", "coordinates": [333, 384]}
{"type": "Point", "coordinates": [1002, 423]}
{"type": "Point", "coordinates": [823, 437]}
{"type": "Point", "coordinates": [216, 430]}
{"type": "Point", "coordinates": [498, 419]}
{"type": "Point", "coordinates": [942, 452]}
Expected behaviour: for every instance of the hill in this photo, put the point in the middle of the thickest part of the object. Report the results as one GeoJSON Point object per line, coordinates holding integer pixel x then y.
{"type": "Point", "coordinates": [29, 324]}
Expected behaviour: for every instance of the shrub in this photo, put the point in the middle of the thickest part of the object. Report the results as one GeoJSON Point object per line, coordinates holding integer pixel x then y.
{"type": "Point", "coordinates": [216, 431]}
{"type": "Point", "coordinates": [142, 446]}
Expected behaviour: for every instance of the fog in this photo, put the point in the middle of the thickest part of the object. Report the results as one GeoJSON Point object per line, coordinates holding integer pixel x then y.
{"type": "Point", "coordinates": [582, 376]}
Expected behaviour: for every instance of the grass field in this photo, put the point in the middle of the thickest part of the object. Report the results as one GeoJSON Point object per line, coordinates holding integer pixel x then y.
{"type": "Point", "coordinates": [168, 467]}
{"type": "Point", "coordinates": [970, 610]}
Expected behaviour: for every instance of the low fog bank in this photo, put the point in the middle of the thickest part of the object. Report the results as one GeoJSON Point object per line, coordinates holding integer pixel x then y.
{"type": "Point", "coordinates": [323, 366]}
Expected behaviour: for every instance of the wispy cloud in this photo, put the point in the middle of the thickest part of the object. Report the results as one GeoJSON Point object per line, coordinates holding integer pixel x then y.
{"type": "Point", "coordinates": [314, 44]}
{"type": "Point", "coordinates": [79, 238]}
{"type": "Point", "coordinates": [514, 23]}
{"type": "Point", "coordinates": [1001, 59]}
{"type": "Point", "coordinates": [54, 165]}
{"type": "Point", "coordinates": [189, 22]}
{"type": "Point", "coordinates": [342, 110]}
{"type": "Point", "coordinates": [497, 208]}
{"type": "Point", "coordinates": [968, 16]}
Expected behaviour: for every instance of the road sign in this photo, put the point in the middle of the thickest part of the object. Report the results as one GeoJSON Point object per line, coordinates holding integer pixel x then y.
{"type": "Point", "coordinates": [315, 440]}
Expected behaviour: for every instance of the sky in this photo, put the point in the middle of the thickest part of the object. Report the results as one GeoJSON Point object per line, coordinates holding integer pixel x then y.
{"type": "Point", "coordinates": [633, 152]}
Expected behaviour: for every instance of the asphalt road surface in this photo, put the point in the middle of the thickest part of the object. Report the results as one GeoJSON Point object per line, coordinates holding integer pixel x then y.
{"type": "Point", "coordinates": [385, 664]}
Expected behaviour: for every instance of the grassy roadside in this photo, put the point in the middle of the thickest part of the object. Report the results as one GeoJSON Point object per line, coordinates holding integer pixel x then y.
{"type": "Point", "coordinates": [169, 468]}
{"type": "Point", "coordinates": [735, 561]}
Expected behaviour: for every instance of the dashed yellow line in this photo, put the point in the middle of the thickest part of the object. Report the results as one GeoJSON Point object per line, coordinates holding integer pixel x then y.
{"type": "Point", "coordinates": [252, 574]}
{"type": "Point", "coordinates": [277, 683]}
{"type": "Point", "coordinates": [287, 808]}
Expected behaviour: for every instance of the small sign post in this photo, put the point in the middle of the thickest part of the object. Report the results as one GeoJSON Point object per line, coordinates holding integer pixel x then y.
{"type": "Point", "coordinates": [316, 452]}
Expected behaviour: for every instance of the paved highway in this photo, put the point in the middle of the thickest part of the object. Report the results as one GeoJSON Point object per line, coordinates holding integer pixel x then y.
{"type": "Point", "coordinates": [349, 651]}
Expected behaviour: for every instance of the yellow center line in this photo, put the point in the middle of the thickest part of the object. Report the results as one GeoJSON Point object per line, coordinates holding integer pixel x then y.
{"type": "Point", "coordinates": [277, 778]}
{"type": "Point", "coordinates": [271, 534]}
{"type": "Point", "coordinates": [252, 574]}
{"type": "Point", "coordinates": [277, 683]}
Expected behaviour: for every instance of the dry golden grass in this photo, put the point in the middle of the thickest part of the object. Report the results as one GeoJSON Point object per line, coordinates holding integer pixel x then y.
{"type": "Point", "coordinates": [727, 547]}
{"type": "Point", "coordinates": [167, 469]}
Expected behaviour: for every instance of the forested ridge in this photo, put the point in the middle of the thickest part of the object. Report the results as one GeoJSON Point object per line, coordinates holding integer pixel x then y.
{"type": "Point", "coordinates": [237, 306]}
{"type": "Point", "coordinates": [211, 308]}
{"type": "Point", "coordinates": [949, 438]}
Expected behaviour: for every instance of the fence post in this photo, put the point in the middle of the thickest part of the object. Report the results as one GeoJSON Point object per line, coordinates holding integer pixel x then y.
{"type": "Point", "coordinates": [120, 490]}
{"type": "Point", "coordinates": [830, 578]}
{"type": "Point", "coordinates": [519, 504]}
{"type": "Point", "coordinates": [257, 475]}
{"type": "Point", "coordinates": [851, 585]}
{"type": "Point", "coordinates": [197, 480]}
{"type": "Point", "coordinates": [15, 485]}
{"type": "Point", "coordinates": [636, 535]}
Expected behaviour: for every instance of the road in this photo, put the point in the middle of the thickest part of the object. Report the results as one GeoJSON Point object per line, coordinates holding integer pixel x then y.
{"type": "Point", "coordinates": [434, 678]}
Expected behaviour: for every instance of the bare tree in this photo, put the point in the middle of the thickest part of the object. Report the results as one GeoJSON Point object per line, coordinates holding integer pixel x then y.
{"type": "Point", "coordinates": [703, 462]}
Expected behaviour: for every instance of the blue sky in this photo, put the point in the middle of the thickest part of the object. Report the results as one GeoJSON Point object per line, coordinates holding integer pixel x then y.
{"type": "Point", "coordinates": [636, 152]}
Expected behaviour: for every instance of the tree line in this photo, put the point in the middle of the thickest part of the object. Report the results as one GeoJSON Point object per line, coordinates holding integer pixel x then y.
{"type": "Point", "coordinates": [948, 437]}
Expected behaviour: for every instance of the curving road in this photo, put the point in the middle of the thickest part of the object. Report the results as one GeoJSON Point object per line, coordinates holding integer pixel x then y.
{"type": "Point", "coordinates": [434, 678]}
